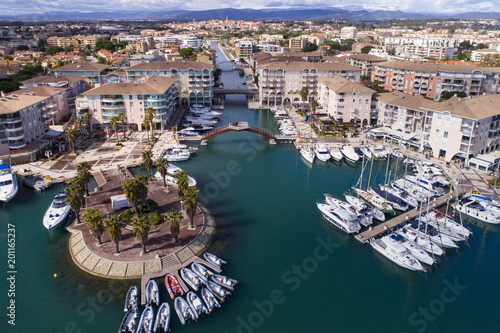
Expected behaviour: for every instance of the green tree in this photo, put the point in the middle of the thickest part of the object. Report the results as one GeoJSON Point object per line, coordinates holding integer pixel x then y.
{"type": "Point", "coordinates": [7, 57]}
{"type": "Point", "coordinates": [147, 159]}
{"type": "Point", "coordinates": [314, 105]}
{"type": "Point", "coordinates": [145, 124]}
{"type": "Point", "coordinates": [83, 170]}
{"type": "Point", "coordinates": [141, 225]}
{"type": "Point", "coordinates": [190, 202]}
{"type": "Point", "coordinates": [113, 225]}
{"type": "Point", "coordinates": [53, 50]}
{"type": "Point", "coordinates": [304, 92]}
{"type": "Point", "coordinates": [491, 60]}
{"type": "Point", "coordinates": [87, 118]}
{"type": "Point", "coordinates": [366, 49]}
{"type": "Point", "coordinates": [150, 115]}
{"type": "Point", "coordinates": [123, 120]}
{"type": "Point", "coordinates": [310, 47]}
{"type": "Point", "coordinates": [142, 187]}
{"type": "Point", "coordinates": [480, 46]}
{"type": "Point", "coordinates": [42, 45]}
{"type": "Point", "coordinates": [174, 217]}
{"type": "Point", "coordinates": [75, 199]}
{"type": "Point", "coordinates": [115, 124]}
{"type": "Point", "coordinates": [162, 166]}
{"type": "Point", "coordinates": [22, 48]}
{"type": "Point", "coordinates": [131, 189]}
{"type": "Point", "coordinates": [70, 135]}
{"type": "Point", "coordinates": [102, 60]}
{"type": "Point", "coordinates": [182, 182]}
{"type": "Point", "coordinates": [93, 218]}
{"type": "Point", "coordinates": [79, 124]}
{"type": "Point", "coordinates": [104, 44]}
{"type": "Point", "coordinates": [186, 52]}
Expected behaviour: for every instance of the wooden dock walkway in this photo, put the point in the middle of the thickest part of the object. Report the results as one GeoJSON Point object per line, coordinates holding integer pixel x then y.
{"type": "Point", "coordinates": [175, 271]}
{"type": "Point", "coordinates": [365, 236]}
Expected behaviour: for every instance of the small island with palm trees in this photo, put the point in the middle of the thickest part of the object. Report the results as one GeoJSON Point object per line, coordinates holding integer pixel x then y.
{"type": "Point", "coordinates": [161, 226]}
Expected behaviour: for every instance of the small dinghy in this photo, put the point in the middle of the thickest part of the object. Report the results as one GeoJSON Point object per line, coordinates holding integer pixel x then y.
{"type": "Point", "coordinates": [173, 286]}
{"type": "Point", "coordinates": [129, 323]}
{"type": "Point", "coordinates": [192, 279]}
{"type": "Point", "coordinates": [132, 299]}
{"type": "Point", "coordinates": [196, 304]}
{"type": "Point", "coordinates": [152, 293]}
{"type": "Point", "coordinates": [162, 318]}
{"type": "Point", "coordinates": [224, 281]}
{"type": "Point", "coordinates": [184, 311]}
{"type": "Point", "coordinates": [214, 260]}
{"type": "Point", "coordinates": [201, 270]}
{"type": "Point", "coordinates": [218, 291]}
{"type": "Point", "coordinates": [146, 322]}
{"type": "Point", "coordinates": [209, 299]}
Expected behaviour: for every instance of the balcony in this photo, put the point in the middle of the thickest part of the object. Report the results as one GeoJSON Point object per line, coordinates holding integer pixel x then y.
{"type": "Point", "coordinates": [111, 98]}
{"type": "Point", "coordinates": [16, 135]}
{"type": "Point", "coordinates": [12, 120]}
{"type": "Point", "coordinates": [13, 128]}
{"type": "Point", "coordinates": [17, 145]}
{"type": "Point", "coordinates": [113, 106]}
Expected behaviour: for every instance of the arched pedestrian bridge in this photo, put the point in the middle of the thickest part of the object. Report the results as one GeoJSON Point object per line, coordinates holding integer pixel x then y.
{"type": "Point", "coordinates": [238, 127]}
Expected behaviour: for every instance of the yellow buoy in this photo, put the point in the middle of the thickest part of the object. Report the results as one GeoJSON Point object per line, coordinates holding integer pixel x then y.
{"type": "Point", "coordinates": [55, 276]}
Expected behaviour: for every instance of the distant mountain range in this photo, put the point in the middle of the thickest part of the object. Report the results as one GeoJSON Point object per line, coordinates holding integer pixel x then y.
{"type": "Point", "coordinates": [247, 14]}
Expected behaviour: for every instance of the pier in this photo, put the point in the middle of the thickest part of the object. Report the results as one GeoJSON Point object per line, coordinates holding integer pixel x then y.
{"type": "Point", "coordinates": [384, 227]}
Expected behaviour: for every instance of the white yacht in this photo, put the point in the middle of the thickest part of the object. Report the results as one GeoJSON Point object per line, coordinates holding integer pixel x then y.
{"type": "Point", "coordinates": [402, 194]}
{"type": "Point", "coordinates": [375, 200]}
{"type": "Point", "coordinates": [426, 230]}
{"type": "Point", "coordinates": [367, 152]}
{"type": "Point", "coordinates": [336, 154]}
{"type": "Point", "coordinates": [349, 153]}
{"type": "Point", "coordinates": [447, 225]}
{"type": "Point", "coordinates": [8, 182]}
{"type": "Point", "coordinates": [57, 211]}
{"type": "Point", "coordinates": [478, 209]}
{"type": "Point", "coordinates": [379, 151]}
{"type": "Point", "coordinates": [364, 215]}
{"type": "Point", "coordinates": [177, 155]}
{"type": "Point", "coordinates": [308, 154]}
{"type": "Point", "coordinates": [426, 184]}
{"type": "Point", "coordinates": [397, 253]}
{"type": "Point", "coordinates": [423, 241]}
{"type": "Point", "coordinates": [172, 170]}
{"type": "Point", "coordinates": [390, 199]}
{"type": "Point", "coordinates": [361, 205]}
{"type": "Point", "coordinates": [414, 249]}
{"type": "Point", "coordinates": [322, 152]}
{"type": "Point", "coordinates": [200, 121]}
{"type": "Point", "coordinates": [339, 217]}
{"type": "Point", "coordinates": [414, 191]}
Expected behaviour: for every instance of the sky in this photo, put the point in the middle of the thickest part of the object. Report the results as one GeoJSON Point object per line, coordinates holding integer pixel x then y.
{"type": "Point", "coordinates": [14, 7]}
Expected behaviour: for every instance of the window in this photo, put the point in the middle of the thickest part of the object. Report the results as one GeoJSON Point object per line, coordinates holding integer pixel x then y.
{"type": "Point", "coordinates": [445, 134]}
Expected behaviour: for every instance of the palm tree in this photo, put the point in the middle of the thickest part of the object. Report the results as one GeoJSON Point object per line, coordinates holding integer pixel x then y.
{"type": "Point", "coordinates": [190, 202]}
{"type": "Point", "coordinates": [87, 117]}
{"type": "Point", "coordinates": [174, 217]}
{"type": "Point", "coordinates": [182, 182]}
{"type": "Point", "coordinates": [130, 188]}
{"type": "Point", "coordinates": [145, 124]}
{"type": "Point", "coordinates": [303, 93]}
{"type": "Point", "coordinates": [151, 114]}
{"type": "Point", "coordinates": [142, 187]}
{"type": "Point", "coordinates": [93, 218]}
{"type": "Point", "coordinates": [74, 196]}
{"type": "Point", "coordinates": [79, 124]}
{"type": "Point", "coordinates": [162, 166]}
{"type": "Point", "coordinates": [141, 225]}
{"type": "Point", "coordinates": [114, 122]}
{"type": "Point", "coordinates": [70, 134]}
{"type": "Point", "coordinates": [113, 225]}
{"type": "Point", "coordinates": [123, 120]}
{"type": "Point", "coordinates": [83, 170]}
{"type": "Point", "coordinates": [314, 105]}
{"type": "Point", "coordinates": [147, 159]}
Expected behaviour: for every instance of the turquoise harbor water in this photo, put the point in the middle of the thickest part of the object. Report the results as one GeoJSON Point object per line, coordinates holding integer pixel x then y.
{"type": "Point", "coordinates": [297, 273]}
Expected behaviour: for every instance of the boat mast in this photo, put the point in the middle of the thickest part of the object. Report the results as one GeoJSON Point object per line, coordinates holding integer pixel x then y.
{"type": "Point", "coordinates": [371, 167]}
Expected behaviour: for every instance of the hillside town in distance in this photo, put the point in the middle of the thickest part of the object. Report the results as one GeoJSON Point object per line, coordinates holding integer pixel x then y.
{"type": "Point", "coordinates": [437, 82]}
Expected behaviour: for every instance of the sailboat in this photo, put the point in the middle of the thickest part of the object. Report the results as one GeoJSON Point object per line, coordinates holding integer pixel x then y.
{"type": "Point", "coordinates": [365, 215]}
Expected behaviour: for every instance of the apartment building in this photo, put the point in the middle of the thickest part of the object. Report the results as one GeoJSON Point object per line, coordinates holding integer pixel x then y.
{"type": "Point", "coordinates": [298, 43]}
{"type": "Point", "coordinates": [478, 55]}
{"type": "Point", "coordinates": [348, 33]}
{"type": "Point", "coordinates": [346, 101]}
{"type": "Point", "coordinates": [194, 79]}
{"type": "Point", "coordinates": [23, 118]}
{"type": "Point", "coordinates": [131, 99]}
{"type": "Point", "coordinates": [244, 48]}
{"type": "Point", "coordinates": [280, 79]}
{"type": "Point", "coordinates": [428, 51]}
{"type": "Point", "coordinates": [94, 73]}
{"type": "Point", "coordinates": [455, 128]}
{"type": "Point", "coordinates": [61, 42]}
{"type": "Point", "coordinates": [364, 62]}
{"type": "Point", "coordinates": [431, 80]}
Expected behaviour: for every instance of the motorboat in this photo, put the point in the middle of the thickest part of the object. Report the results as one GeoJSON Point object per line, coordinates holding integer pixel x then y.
{"type": "Point", "coordinates": [152, 293]}
{"type": "Point", "coordinates": [414, 191]}
{"type": "Point", "coordinates": [365, 215]}
{"type": "Point", "coordinates": [360, 205]}
{"type": "Point", "coordinates": [199, 108]}
{"type": "Point", "coordinates": [186, 148]}
{"type": "Point", "coordinates": [446, 225]}
{"type": "Point", "coordinates": [421, 240]}
{"type": "Point", "coordinates": [478, 209]}
{"type": "Point", "coordinates": [321, 152]}
{"type": "Point", "coordinates": [209, 299]}
{"type": "Point", "coordinates": [339, 217]}
{"type": "Point", "coordinates": [349, 153]}
{"type": "Point", "coordinates": [130, 321]}
{"type": "Point", "coordinates": [173, 286]}
{"type": "Point", "coordinates": [401, 194]}
{"type": "Point", "coordinates": [435, 190]}
{"type": "Point", "coordinates": [397, 253]}
{"type": "Point", "coordinates": [201, 270]}
{"type": "Point", "coordinates": [132, 299]}
{"type": "Point", "coordinates": [218, 291]}
{"type": "Point", "coordinates": [196, 304]}
{"type": "Point", "coordinates": [206, 112]}
{"type": "Point", "coordinates": [414, 249]}
{"type": "Point", "coordinates": [434, 235]}
{"type": "Point", "coordinates": [214, 260]}
{"type": "Point", "coordinates": [200, 121]}
{"type": "Point", "coordinates": [308, 154]}
{"type": "Point", "coordinates": [367, 152]}
{"type": "Point", "coordinates": [192, 279]}
{"type": "Point", "coordinates": [393, 200]}
{"type": "Point", "coordinates": [379, 151]}
{"type": "Point", "coordinates": [184, 311]}
{"type": "Point", "coordinates": [146, 322]}
{"type": "Point", "coordinates": [336, 154]}
{"type": "Point", "coordinates": [162, 321]}
{"type": "Point", "coordinates": [172, 170]}
{"type": "Point", "coordinates": [176, 155]}
{"type": "Point", "coordinates": [57, 212]}
{"type": "Point", "coordinates": [375, 200]}
{"type": "Point", "coordinates": [396, 153]}
{"type": "Point", "coordinates": [8, 182]}
{"type": "Point", "coordinates": [224, 281]}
